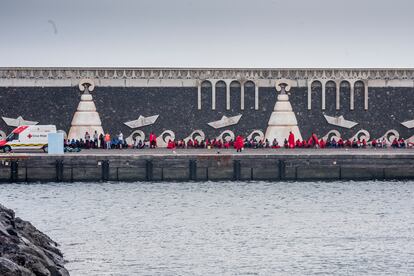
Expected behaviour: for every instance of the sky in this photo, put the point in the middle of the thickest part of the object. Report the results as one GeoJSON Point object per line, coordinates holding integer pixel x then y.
{"type": "Point", "coordinates": [207, 33]}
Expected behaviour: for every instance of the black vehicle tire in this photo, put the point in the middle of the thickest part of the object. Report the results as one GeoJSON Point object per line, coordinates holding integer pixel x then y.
{"type": "Point", "coordinates": [6, 149]}
{"type": "Point", "coordinates": [45, 148]}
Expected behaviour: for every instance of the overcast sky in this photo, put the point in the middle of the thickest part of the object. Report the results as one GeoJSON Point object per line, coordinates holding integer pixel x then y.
{"type": "Point", "coordinates": [207, 33]}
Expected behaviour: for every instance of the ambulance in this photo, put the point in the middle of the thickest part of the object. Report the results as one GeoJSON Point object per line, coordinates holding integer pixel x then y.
{"type": "Point", "coordinates": [30, 137]}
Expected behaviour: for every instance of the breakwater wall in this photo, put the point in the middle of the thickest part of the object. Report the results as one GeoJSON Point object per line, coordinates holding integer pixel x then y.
{"type": "Point", "coordinates": [213, 167]}
{"type": "Point", "coordinates": [346, 103]}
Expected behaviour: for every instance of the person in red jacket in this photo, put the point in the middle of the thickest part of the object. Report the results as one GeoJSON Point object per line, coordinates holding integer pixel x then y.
{"type": "Point", "coordinates": [291, 140]}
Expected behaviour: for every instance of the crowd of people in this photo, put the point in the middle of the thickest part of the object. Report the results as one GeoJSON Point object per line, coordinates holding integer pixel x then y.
{"type": "Point", "coordinates": [105, 141]}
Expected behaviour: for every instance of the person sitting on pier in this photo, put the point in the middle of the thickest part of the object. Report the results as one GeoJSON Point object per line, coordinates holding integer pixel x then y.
{"type": "Point", "coordinates": [275, 144]}
{"type": "Point", "coordinates": [190, 143]}
{"type": "Point", "coordinates": [354, 143]}
{"type": "Point", "coordinates": [286, 144]}
{"type": "Point", "coordinates": [363, 143]}
{"type": "Point", "coordinates": [298, 144]}
{"type": "Point", "coordinates": [333, 143]}
{"type": "Point", "coordinates": [322, 143]}
{"type": "Point", "coordinates": [348, 143]}
{"type": "Point", "coordinates": [218, 144]}
{"type": "Point", "coordinates": [226, 144]}
{"type": "Point", "coordinates": [181, 144]}
{"type": "Point", "coordinates": [394, 143]}
{"type": "Point", "coordinates": [267, 144]}
{"type": "Point", "coordinates": [212, 143]}
{"type": "Point", "coordinates": [384, 143]}
{"type": "Point", "coordinates": [402, 143]}
{"type": "Point", "coordinates": [170, 144]}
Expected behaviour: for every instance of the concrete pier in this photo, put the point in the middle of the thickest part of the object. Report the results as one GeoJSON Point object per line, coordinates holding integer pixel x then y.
{"type": "Point", "coordinates": [205, 165]}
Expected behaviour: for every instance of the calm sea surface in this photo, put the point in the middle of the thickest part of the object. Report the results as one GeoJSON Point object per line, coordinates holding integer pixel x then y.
{"type": "Point", "coordinates": [227, 228]}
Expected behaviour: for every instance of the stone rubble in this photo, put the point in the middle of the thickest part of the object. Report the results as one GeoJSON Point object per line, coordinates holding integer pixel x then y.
{"type": "Point", "coordinates": [26, 251]}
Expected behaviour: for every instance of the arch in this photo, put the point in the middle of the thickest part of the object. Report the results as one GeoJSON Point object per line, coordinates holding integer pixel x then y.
{"type": "Point", "coordinates": [249, 95]}
{"type": "Point", "coordinates": [235, 84]}
{"type": "Point", "coordinates": [359, 92]}
{"type": "Point", "coordinates": [206, 93]}
{"type": "Point", "coordinates": [221, 84]}
{"type": "Point", "coordinates": [206, 84]}
{"type": "Point", "coordinates": [345, 95]}
{"type": "Point", "coordinates": [316, 94]}
{"type": "Point", "coordinates": [330, 96]}
{"type": "Point", "coordinates": [221, 87]}
{"type": "Point", "coordinates": [235, 95]}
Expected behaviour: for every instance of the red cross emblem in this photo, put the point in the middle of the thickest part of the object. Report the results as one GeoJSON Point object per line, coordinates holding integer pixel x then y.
{"type": "Point", "coordinates": [30, 136]}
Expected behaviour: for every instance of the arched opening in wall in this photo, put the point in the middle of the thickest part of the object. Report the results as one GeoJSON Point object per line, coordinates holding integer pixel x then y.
{"type": "Point", "coordinates": [235, 95]}
{"type": "Point", "coordinates": [221, 95]}
{"type": "Point", "coordinates": [316, 94]}
{"type": "Point", "coordinates": [359, 92]}
{"type": "Point", "coordinates": [249, 92]}
{"type": "Point", "coordinates": [330, 97]}
{"type": "Point", "coordinates": [345, 96]}
{"type": "Point", "coordinates": [206, 91]}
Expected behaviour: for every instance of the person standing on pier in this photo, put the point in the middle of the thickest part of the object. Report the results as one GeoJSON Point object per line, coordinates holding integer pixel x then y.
{"type": "Point", "coordinates": [120, 139]}
{"type": "Point", "coordinates": [101, 141]}
{"type": "Point", "coordinates": [153, 140]}
{"type": "Point", "coordinates": [291, 140]}
{"type": "Point", "coordinates": [95, 139]}
{"type": "Point", "coordinates": [108, 141]}
{"type": "Point", "coordinates": [239, 143]}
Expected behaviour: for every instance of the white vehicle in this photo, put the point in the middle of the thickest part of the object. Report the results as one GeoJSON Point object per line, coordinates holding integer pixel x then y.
{"type": "Point", "coordinates": [28, 138]}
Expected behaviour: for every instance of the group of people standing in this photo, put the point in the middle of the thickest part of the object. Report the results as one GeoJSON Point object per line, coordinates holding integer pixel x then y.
{"type": "Point", "coordinates": [96, 141]}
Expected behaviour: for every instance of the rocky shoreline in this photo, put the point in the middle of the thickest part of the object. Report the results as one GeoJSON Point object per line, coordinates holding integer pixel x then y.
{"type": "Point", "coordinates": [24, 250]}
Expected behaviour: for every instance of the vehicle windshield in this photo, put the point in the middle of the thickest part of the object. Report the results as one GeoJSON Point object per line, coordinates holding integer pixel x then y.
{"type": "Point", "coordinates": [12, 136]}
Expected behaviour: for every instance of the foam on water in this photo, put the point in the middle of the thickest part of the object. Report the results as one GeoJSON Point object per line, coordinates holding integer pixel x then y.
{"type": "Point", "coordinates": [227, 228]}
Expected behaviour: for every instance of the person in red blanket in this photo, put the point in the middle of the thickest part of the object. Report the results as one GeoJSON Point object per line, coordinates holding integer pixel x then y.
{"type": "Point", "coordinates": [322, 143]}
{"type": "Point", "coordinates": [171, 144]}
{"type": "Point", "coordinates": [305, 144]}
{"type": "Point", "coordinates": [340, 143]}
{"type": "Point", "coordinates": [364, 143]}
{"type": "Point", "coordinates": [153, 140]}
{"type": "Point", "coordinates": [313, 141]}
{"type": "Point", "coordinates": [291, 140]}
{"type": "Point", "coordinates": [239, 143]}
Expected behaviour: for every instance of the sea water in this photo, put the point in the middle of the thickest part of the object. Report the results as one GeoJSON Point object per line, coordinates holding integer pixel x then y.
{"type": "Point", "coordinates": [224, 228]}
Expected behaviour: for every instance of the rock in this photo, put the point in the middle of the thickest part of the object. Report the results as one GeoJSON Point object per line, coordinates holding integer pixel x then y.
{"type": "Point", "coordinates": [24, 250]}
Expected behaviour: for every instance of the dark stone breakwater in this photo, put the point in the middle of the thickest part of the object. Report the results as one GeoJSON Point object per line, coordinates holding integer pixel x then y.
{"type": "Point", "coordinates": [204, 165]}
{"type": "Point", "coordinates": [26, 251]}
